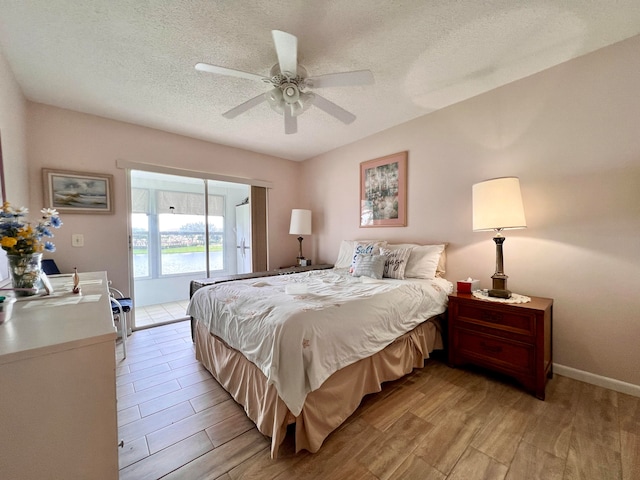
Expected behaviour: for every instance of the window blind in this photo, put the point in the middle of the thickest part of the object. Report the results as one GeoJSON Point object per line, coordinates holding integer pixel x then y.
{"type": "Point", "coordinates": [182, 202]}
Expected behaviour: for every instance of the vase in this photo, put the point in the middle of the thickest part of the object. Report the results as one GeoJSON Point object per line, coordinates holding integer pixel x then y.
{"type": "Point", "coordinates": [24, 271]}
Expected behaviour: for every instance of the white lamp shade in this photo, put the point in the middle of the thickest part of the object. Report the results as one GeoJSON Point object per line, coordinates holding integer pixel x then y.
{"type": "Point", "coordinates": [300, 222]}
{"type": "Point", "coordinates": [497, 205]}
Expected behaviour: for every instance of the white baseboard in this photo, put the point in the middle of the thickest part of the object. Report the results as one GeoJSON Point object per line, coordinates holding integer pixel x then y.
{"type": "Point", "coordinates": [593, 379]}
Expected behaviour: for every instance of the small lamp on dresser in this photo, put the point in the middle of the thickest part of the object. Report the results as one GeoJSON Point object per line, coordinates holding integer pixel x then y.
{"type": "Point", "coordinates": [300, 225]}
{"type": "Point", "coordinates": [497, 206]}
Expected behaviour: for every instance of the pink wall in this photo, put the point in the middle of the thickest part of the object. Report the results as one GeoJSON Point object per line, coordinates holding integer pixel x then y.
{"type": "Point", "coordinates": [13, 134]}
{"type": "Point", "coordinates": [69, 140]}
{"type": "Point", "coordinates": [571, 135]}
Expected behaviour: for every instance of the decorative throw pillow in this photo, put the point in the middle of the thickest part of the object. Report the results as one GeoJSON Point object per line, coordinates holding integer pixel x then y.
{"type": "Point", "coordinates": [424, 261]}
{"type": "Point", "coordinates": [369, 266]}
{"type": "Point", "coordinates": [345, 254]}
{"type": "Point", "coordinates": [396, 262]}
{"type": "Point", "coordinates": [365, 248]}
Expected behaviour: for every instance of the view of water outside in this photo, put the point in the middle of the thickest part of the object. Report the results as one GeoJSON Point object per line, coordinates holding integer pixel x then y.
{"type": "Point", "coordinates": [175, 263]}
{"type": "Point", "coordinates": [181, 244]}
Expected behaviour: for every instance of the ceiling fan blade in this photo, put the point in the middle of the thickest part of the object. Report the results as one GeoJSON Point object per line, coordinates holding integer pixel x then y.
{"type": "Point", "coordinates": [333, 109]}
{"type": "Point", "coordinates": [345, 79]}
{"type": "Point", "coordinates": [290, 122]}
{"type": "Point", "coordinates": [287, 50]}
{"type": "Point", "coordinates": [243, 107]}
{"type": "Point", "coordinates": [230, 72]}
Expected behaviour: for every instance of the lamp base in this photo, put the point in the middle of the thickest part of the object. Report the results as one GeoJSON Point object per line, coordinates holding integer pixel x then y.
{"type": "Point", "coordinates": [498, 293]}
{"type": "Point", "coordinates": [499, 279]}
{"type": "Point", "coordinates": [299, 257]}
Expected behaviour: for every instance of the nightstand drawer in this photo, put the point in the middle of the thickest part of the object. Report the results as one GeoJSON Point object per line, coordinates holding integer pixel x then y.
{"type": "Point", "coordinates": [520, 323]}
{"type": "Point", "coordinates": [495, 351]}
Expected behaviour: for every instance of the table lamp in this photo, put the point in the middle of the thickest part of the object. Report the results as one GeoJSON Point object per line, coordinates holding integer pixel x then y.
{"type": "Point", "coordinates": [497, 206]}
{"type": "Point", "coordinates": [300, 225]}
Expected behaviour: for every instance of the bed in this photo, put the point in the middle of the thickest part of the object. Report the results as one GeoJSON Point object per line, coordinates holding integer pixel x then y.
{"type": "Point", "coordinates": [305, 348]}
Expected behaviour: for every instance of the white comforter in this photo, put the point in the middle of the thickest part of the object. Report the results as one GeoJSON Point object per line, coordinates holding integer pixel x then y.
{"type": "Point", "coordinates": [299, 339]}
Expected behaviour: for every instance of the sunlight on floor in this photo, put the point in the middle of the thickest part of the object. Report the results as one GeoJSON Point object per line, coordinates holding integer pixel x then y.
{"type": "Point", "coordinates": [160, 313]}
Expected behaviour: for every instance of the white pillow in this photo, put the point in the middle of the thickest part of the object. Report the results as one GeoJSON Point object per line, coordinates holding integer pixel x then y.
{"type": "Point", "coordinates": [369, 266]}
{"type": "Point", "coordinates": [442, 262]}
{"type": "Point", "coordinates": [396, 262]}
{"type": "Point", "coordinates": [345, 254]}
{"type": "Point", "coordinates": [441, 270]}
{"type": "Point", "coordinates": [423, 261]}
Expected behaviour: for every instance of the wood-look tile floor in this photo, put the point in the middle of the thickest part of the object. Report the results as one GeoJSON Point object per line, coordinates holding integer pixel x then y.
{"type": "Point", "coordinates": [437, 423]}
{"type": "Point", "coordinates": [161, 313]}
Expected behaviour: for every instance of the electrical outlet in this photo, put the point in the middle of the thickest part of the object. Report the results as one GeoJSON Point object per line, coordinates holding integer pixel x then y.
{"type": "Point", "coordinates": [77, 240]}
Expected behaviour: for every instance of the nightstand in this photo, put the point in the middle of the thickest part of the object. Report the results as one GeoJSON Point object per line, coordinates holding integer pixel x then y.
{"type": "Point", "coordinates": [299, 269]}
{"type": "Point", "coordinates": [510, 338]}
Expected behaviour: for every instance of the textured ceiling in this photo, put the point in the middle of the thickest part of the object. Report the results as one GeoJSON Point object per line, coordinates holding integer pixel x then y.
{"type": "Point", "coordinates": [133, 60]}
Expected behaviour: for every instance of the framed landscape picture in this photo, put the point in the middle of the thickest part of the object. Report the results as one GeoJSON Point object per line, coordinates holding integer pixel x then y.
{"type": "Point", "coordinates": [77, 192]}
{"type": "Point", "coordinates": [383, 191]}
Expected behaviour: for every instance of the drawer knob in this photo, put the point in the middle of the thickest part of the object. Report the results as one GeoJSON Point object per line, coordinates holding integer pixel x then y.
{"type": "Point", "coordinates": [491, 348]}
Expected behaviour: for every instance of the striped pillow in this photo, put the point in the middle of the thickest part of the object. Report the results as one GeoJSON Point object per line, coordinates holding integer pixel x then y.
{"type": "Point", "coordinates": [396, 262]}
{"type": "Point", "coordinates": [369, 266]}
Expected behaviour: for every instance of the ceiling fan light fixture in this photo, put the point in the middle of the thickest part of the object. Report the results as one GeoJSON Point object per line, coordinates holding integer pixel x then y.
{"type": "Point", "coordinates": [275, 100]}
{"type": "Point", "coordinates": [290, 92]}
{"type": "Point", "coordinates": [302, 105]}
{"type": "Point", "coordinates": [296, 101]}
{"type": "Point", "coordinates": [297, 108]}
{"type": "Point", "coordinates": [307, 98]}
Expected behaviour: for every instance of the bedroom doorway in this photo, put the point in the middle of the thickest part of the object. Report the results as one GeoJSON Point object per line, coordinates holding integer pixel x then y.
{"type": "Point", "coordinates": [182, 228]}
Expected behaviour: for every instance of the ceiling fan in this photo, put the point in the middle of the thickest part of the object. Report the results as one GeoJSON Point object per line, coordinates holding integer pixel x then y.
{"type": "Point", "coordinates": [290, 95]}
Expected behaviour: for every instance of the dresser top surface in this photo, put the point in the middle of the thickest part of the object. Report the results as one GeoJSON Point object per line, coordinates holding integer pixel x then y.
{"type": "Point", "coordinates": [40, 325]}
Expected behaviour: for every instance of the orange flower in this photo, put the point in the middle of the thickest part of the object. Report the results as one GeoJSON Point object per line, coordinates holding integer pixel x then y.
{"type": "Point", "coordinates": [8, 242]}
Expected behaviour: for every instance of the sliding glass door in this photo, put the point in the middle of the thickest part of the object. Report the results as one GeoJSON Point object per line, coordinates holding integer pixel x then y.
{"type": "Point", "coordinates": [183, 228]}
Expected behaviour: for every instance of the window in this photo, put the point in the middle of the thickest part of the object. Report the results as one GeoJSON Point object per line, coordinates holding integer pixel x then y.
{"type": "Point", "coordinates": [182, 243]}
{"type": "Point", "coordinates": [216, 243]}
{"type": "Point", "coordinates": [169, 228]}
{"type": "Point", "coordinates": [140, 245]}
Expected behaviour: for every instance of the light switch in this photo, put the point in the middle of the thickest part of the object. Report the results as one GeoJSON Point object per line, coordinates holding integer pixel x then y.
{"type": "Point", "coordinates": [77, 240]}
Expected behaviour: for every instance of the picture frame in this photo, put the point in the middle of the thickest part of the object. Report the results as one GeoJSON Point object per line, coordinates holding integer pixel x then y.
{"type": "Point", "coordinates": [4, 262]}
{"type": "Point", "coordinates": [78, 192]}
{"type": "Point", "coordinates": [3, 188]}
{"type": "Point", "coordinates": [383, 191]}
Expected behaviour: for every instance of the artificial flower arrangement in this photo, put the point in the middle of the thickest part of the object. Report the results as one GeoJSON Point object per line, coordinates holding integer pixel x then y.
{"type": "Point", "coordinates": [20, 237]}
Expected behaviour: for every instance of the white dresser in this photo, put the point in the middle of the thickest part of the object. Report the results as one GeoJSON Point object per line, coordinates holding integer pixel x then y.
{"type": "Point", "coordinates": [58, 414]}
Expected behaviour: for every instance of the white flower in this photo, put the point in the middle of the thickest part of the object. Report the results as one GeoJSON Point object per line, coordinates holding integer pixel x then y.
{"type": "Point", "coordinates": [49, 212]}
{"type": "Point", "coordinates": [18, 211]}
